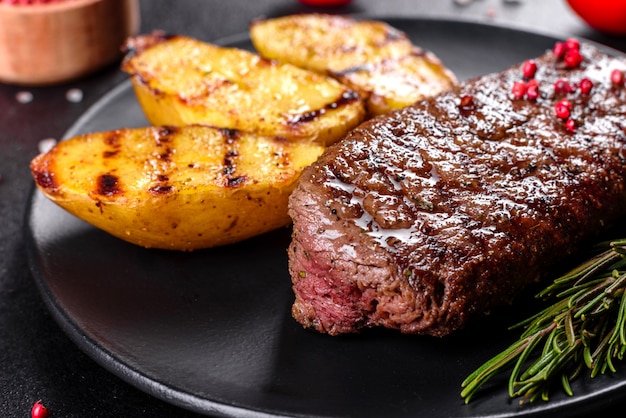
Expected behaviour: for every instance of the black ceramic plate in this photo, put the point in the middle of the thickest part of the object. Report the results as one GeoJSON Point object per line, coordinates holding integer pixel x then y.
{"type": "Point", "coordinates": [211, 330]}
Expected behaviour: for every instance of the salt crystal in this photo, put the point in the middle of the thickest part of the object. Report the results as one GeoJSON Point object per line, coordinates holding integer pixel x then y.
{"type": "Point", "coordinates": [24, 97]}
{"type": "Point", "coordinates": [74, 95]}
{"type": "Point", "coordinates": [46, 145]}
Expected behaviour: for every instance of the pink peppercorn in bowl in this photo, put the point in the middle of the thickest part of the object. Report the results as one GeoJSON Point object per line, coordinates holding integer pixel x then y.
{"type": "Point", "coordinates": [45, 42]}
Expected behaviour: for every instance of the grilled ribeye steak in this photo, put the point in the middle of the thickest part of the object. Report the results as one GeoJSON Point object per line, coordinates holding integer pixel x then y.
{"type": "Point", "coordinates": [426, 217]}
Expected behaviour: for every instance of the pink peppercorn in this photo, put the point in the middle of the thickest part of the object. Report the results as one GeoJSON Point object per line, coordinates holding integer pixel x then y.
{"type": "Point", "coordinates": [532, 92]}
{"type": "Point", "coordinates": [563, 109]}
{"type": "Point", "coordinates": [617, 77]}
{"type": "Point", "coordinates": [585, 86]}
{"type": "Point", "coordinates": [559, 49]}
{"type": "Point", "coordinates": [572, 43]}
{"type": "Point", "coordinates": [519, 89]}
{"type": "Point", "coordinates": [573, 58]}
{"type": "Point", "coordinates": [562, 86]}
{"type": "Point", "coordinates": [529, 68]}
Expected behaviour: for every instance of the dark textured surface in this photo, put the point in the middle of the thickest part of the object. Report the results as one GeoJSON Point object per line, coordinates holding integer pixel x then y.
{"type": "Point", "coordinates": [37, 359]}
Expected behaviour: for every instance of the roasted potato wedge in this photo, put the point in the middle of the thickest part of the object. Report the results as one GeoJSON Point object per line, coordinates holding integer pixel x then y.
{"type": "Point", "coordinates": [179, 188]}
{"type": "Point", "coordinates": [369, 56]}
{"type": "Point", "coordinates": [180, 81]}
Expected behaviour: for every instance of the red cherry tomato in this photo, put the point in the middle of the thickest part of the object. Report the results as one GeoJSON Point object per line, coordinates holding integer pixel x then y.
{"type": "Point", "coordinates": [324, 2]}
{"type": "Point", "coordinates": [608, 16]}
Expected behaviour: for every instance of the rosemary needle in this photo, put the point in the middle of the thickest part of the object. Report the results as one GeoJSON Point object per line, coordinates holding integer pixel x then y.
{"type": "Point", "coordinates": [583, 329]}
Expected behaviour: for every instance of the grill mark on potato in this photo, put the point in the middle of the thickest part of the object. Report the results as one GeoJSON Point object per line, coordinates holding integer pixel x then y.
{"type": "Point", "coordinates": [229, 162]}
{"type": "Point", "coordinates": [347, 97]}
{"type": "Point", "coordinates": [236, 181]}
{"type": "Point", "coordinates": [110, 154]}
{"type": "Point", "coordinates": [112, 139]}
{"type": "Point", "coordinates": [161, 189]}
{"type": "Point", "coordinates": [165, 132]}
{"type": "Point", "coordinates": [166, 155]}
{"type": "Point", "coordinates": [108, 185]}
{"type": "Point", "coordinates": [162, 186]}
{"type": "Point", "coordinates": [230, 135]}
{"type": "Point", "coordinates": [163, 140]}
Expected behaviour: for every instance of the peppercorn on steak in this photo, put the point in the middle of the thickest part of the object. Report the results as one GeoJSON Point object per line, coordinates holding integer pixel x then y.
{"type": "Point", "coordinates": [178, 188]}
{"type": "Point", "coordinates": [372, 57]}
{"type": "Point", "coordinates": [180, 81]}
{"type": "Point", "coordinates": [430, 216]}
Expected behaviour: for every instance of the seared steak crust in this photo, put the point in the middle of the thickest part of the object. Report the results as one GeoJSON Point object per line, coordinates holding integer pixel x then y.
{"type": "Point", "coordinates": [424, 218]}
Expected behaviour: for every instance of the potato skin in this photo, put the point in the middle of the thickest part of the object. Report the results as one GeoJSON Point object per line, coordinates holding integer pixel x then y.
{"type": "Point", "coordinates": [371, 57]}
{"type": "Point", "coordinates": [178, 188]}
{"type": "Point", "coordinates": [179, 81]}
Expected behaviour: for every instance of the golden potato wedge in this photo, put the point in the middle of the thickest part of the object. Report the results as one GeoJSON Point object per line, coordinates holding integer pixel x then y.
{"type": "Point", "coordinates": [372, 57]}
{"type": "Point", "coordinates": [179, 188]}
{"type": "Point", "coordinates": [180, 81]}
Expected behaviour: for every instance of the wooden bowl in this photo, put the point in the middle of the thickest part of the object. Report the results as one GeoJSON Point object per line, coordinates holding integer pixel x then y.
{"type": "Point", "coordinates": [53, 43]}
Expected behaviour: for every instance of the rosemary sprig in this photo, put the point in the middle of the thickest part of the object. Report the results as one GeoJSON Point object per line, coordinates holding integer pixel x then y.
{"type": "Point", "coordinates": [584, 329]}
